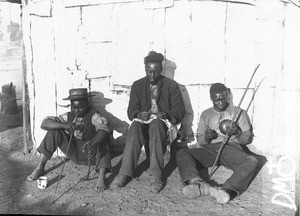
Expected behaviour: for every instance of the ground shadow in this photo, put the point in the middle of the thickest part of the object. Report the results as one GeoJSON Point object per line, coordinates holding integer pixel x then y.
{"type": "Point", "coordinates": [13, 175]}
{"type": "Point", "coordinates": [9, 122]}
{"type": "Point", "coordinates": [187, 121]}
{"type": "Point", "coordinates": [54, 180]}
{"type": "Point", "coordinates": [115, 169]}
{"type": "Point", "coordinates": [143, 166]}
{"type": "Point", "coordinates": [56, 166]}
{"type": "Point", "coordinates": [171, 164]}
{"type": "Point", "coordinates": [99, 103]}
{"type": "Point", "coordinates": [45, 206]}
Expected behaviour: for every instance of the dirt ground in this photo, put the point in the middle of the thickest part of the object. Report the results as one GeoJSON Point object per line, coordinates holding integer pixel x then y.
{"type": "Point", "coordinates": [75, 197]}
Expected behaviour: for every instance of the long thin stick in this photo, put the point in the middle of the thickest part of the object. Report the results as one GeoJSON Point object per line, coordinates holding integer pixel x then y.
{"type": "Point", "coordinates": [80, 180]}
{"type": "Point", "coordinates": [252, 98]}
{"type": "Point", "coordinates": [236, 114]}
{"type": "Point", "coordinates": [63, 165]}
{"type": "Point", "coordinates": [89, 163]}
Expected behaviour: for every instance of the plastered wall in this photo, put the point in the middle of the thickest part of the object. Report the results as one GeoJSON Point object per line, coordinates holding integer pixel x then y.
{"type": "Point", "coordinates": [11, 46]}
{"type": "Point", "coordinates": [101, 46]}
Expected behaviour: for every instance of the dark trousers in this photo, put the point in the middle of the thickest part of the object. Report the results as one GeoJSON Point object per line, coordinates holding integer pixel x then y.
{"type": "Point", "coordinates": [189, 161]}
{"type": "Point", "coordinates": [153, 136]}
{"type": "Point", "coordinates": [59, 138]}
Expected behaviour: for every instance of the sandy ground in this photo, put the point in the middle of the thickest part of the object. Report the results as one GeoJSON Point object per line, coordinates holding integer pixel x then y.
{"type": "Point", "coordinates": [75, 197]}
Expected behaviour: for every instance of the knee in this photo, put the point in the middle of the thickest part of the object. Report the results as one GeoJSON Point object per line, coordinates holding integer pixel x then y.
{"type": "Point", "coordinates": [253, 161]}
{"type": "Point", "coordinates": [181, 154]}
{"type": "Point", "coordinates": [134, 127]}
{"type": "Point", "coordinates": [51, 133]}
{"type": "Point", "coordinates": [156, 122]}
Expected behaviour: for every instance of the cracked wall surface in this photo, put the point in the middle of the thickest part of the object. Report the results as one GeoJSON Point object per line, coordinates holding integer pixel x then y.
{"type": "Point", "coordinates": [11, 46]}
{"type": "Point", "coordinates": [101, 46]}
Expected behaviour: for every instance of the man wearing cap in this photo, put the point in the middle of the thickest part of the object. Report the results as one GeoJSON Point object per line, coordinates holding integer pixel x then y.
{"type": "Point", "coordinates": [209, 138]}
{"type": "Point", "coordinates": [89, 136]}
{"type": "Point", "coordinates": [155, 107]}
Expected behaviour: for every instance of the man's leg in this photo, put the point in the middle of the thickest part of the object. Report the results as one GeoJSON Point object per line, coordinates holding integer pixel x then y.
{"type": "Point", "coordinates": [189, 161]}
{"type": "Point", "coordinates": [243, 166]}
{"type": "Point", "coordinates": [134, 142]}
{"type": "Point", "coordinates": [39, 170]}
{"type": "Point", "coordinates": [52, 140]}
{"type": "Point", "coordinates": [157, 147]}
{"type": "Point", "coordinates": [103, 163]}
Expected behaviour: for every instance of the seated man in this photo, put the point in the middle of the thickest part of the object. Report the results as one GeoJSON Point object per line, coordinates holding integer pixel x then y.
{"type": "Point", "coordinates": [89, 133]}
{"type": "Point", "coordinates": [155, 106]}
{"type": "Point", "coordinates": [209, 139]}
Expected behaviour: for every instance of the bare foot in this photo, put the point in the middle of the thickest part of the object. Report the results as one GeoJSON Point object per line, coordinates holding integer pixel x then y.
{"type": "Point", "coordinates": [35, 174]}
{"type": "Point", "coordinates": [101, 184]}
{"type": "Point", "coordinates": [119, 181]}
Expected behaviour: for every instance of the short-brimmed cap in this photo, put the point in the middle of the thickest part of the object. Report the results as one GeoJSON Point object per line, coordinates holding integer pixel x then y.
{"type": "Point", "coordinates": [78, 93]}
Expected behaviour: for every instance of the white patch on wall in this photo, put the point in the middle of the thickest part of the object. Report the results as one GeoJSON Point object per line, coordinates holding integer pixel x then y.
{"type": "Point", "coordinates": [208, 47]}
{"type": "Point", "coordinates": [40, 7]}
{"type": "Point", "coordinates": [154, 4]}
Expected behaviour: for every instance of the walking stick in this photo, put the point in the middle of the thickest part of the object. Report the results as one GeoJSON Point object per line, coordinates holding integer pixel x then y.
{"type": "Point", "coordinates": [89, 162]}
{"type": "Point", "coordinates": [63, 166]}
{"type": "Point", "coordinates": [234, 118]}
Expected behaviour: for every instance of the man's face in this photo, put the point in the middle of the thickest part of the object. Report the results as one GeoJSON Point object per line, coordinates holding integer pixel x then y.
{"type": "Point", "coordinates": [153, 72]}
{"type": "Point", "coordinates": [220, 101]}
{"type": "Point", "coordinates": [79, 107]}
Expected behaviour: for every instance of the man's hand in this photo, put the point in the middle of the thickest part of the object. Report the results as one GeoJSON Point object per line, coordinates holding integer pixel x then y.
{"type": "Point", "coordinates": [234, 129]}
{"type": "Point", "coordinates": [73, 126]}
{"type": "Point", "coordinates": [182, 144]}
{"type": "Point", "coordinates": [162, 115]}
{"type": "Point", "coordinates": [143, 115]}
{"type": "Point", "coordinates": [210, 135]}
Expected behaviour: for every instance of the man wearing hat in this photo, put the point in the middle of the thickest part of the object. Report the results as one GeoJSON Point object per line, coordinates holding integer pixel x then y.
{"type": "Point", "coordinates": [210, 135]}
{"type": "Point", "coordinates": [89, 136]}
{"type": "Point", "coordinates": [155, 107]}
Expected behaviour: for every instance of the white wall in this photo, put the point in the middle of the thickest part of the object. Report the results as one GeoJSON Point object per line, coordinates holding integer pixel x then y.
{"type": "Point", "coordinates": [102, 45]}
{"type": "Point", "coordinates": [11, 46]}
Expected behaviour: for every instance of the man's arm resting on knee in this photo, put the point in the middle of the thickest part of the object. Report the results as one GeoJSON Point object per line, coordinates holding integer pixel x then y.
{"type": "Point", "coordinates": [99, 137]}
{"type": "Point", "coordinates": [53, 123]}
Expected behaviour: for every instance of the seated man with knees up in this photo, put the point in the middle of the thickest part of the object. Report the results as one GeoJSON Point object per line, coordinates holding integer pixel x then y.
{"type": "Point", "coordinates": [155, 107]}
{"type": "Point", "coordinates": [209, 138]}
{"type": "Point", "coordinates": [89, 136]}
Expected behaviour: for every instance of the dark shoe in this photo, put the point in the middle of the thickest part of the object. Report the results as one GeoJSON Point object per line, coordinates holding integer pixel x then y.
{"type": "Point", "coordinates": [119, 181]}
{"type": "Point", "coordinates": [35, 175]}
{"type": "Point", "coordinates": [156, 185]}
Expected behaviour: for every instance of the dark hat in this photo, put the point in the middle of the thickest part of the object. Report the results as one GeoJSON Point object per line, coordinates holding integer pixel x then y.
{"type": "Point", "coordinates": [217, 88]}
{"type": "Point", "coordinates": [78, 93]}
{"type": "Point", "coordinates": [153, 57]}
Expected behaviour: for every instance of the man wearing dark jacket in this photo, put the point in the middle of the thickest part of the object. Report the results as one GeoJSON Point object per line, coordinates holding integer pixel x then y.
{"type": "Point", "coordinates": [155, 107]}
{"type": "Point", "coordinates": [89, 136]}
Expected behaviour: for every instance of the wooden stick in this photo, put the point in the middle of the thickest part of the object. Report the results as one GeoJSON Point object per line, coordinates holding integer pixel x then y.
{"type": "Point", "coordinates": [234, 118]}
{"type": "Point", "coordinates": [63, 166]}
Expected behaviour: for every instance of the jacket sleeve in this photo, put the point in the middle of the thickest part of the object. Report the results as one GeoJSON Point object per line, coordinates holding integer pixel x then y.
{"type": "Point", "coordinates": [134, 106]}
{"type": "Point", "coordinates": [177, 110]}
